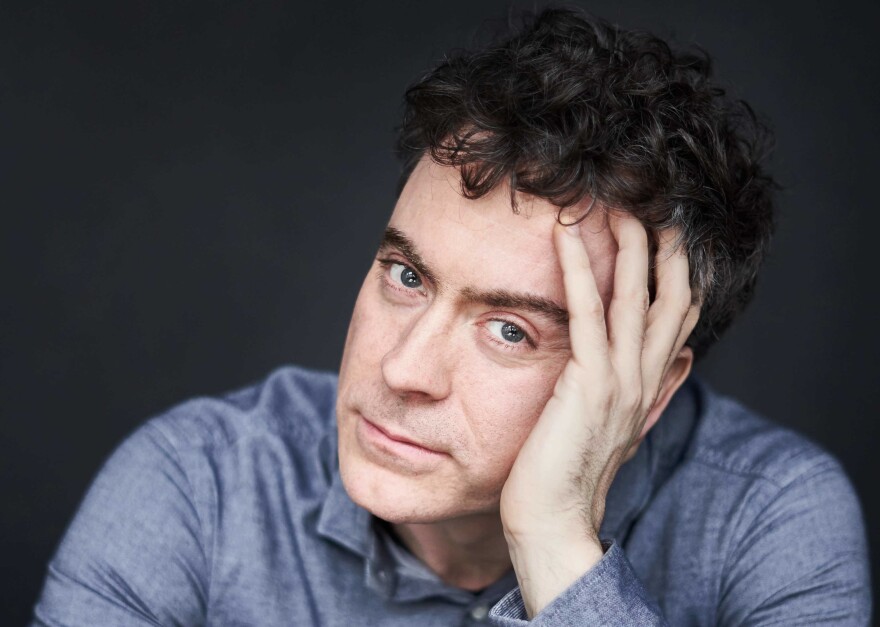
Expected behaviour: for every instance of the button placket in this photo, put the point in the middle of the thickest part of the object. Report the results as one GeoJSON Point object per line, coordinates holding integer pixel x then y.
{"type": "Point", "coordinates": [479, 612]}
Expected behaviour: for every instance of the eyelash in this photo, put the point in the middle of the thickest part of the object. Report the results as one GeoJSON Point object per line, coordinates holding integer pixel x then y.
{"type": "Point", "coordinates": [385, 268]}
{"type": "Point", "coordinates": [385, 265]}
{"type": "Point", "coordinates": [510, 345]}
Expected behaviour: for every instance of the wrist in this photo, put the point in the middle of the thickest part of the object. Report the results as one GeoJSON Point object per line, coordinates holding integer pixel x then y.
{"type": "Point", "coordinates": [524, 519]}
{"type": "Point", "coordinates": [546, 566]}
{"type": "Point", "coordinates": [552, 539]}
{"type": "Point", "coordinates": [526, 527]}
{"type": "Point", "coordinates": [525, 536]}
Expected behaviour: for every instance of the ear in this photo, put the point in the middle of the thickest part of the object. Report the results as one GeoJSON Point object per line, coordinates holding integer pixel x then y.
{"type": "Point", "coordinates": [676, 374]}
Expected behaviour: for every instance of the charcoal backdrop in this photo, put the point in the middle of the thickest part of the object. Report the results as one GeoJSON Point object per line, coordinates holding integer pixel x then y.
{"type": "Point", "coordinates": [192, 192]}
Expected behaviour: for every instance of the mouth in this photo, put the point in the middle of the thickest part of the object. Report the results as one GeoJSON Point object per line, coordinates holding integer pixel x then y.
{"type": "Point", "coordinates": [387, 445]}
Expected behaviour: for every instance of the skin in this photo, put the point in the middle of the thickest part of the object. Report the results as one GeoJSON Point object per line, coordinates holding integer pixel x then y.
{"type": "Point", "coordinates": [481, 451]}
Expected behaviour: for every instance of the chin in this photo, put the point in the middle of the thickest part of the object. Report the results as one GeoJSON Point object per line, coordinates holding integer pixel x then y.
{"type": "Point", "coordinates": [402, 499]}
{"type": "Point", "coordinates": [388, 495]}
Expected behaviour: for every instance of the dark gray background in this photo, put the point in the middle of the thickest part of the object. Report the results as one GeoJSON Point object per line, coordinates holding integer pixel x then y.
{"type": "Point", "coordinates": [192, 192]}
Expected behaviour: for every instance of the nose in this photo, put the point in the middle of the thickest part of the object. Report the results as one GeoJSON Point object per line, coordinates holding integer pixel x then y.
{"type": "Point", "coordinates": [419, 365]}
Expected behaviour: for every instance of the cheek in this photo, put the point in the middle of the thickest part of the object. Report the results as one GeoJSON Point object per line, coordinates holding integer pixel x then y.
{"type": "Point", "coordinates": [502, 408]}
{"type": "Point", "coordinates": [368, 332]}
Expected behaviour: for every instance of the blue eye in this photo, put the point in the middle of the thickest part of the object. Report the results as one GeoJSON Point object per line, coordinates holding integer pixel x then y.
{"type": "Point", "coordinates": [507, 331]}
{"type": "Point", "coordinates": [406, 275]}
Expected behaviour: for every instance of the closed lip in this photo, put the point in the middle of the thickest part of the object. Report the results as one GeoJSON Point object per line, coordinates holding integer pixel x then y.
{"type": "Point", "coordinates": [391, 435]}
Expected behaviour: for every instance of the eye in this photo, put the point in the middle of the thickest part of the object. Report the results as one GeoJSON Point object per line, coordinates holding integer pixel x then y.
{"type": "Point", "coordinates": [508, 331]}
{"type": "Point", "coordinates": [406, 275]}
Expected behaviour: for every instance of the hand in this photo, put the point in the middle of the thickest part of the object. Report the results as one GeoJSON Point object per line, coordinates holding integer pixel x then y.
{"type": "Point", "coordinates": [619, 378]}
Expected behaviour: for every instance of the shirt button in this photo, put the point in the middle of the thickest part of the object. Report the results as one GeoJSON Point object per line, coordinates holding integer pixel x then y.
{"type": "Point", "coordinates": [382, 575]}
{"type": "Point", "coordinates": [479, 612]}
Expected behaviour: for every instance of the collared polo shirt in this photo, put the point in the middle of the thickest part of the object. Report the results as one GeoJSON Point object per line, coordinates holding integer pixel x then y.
{"type": "Point", "coordinates": [230, 511]}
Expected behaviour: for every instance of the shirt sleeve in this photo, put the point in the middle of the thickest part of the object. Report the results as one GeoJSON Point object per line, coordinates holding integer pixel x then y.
{"type": "Point", "coordinates": [801, 560]}
{"type": "Point", "coordinates": [133, 553]}
{"type": "Point", "coordinates": [610, 593]}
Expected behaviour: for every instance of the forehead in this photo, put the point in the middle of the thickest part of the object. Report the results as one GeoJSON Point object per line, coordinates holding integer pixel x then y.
{"type": "Point", "coordinates": [484, 243]}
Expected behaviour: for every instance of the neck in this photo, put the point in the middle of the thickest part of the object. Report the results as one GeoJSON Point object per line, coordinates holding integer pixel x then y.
{"type": "Point", "coordinates": [469, 552]}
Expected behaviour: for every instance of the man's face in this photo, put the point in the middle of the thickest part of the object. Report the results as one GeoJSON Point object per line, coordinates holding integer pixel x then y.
{"type": "Point", "coordinates": [454, 347]}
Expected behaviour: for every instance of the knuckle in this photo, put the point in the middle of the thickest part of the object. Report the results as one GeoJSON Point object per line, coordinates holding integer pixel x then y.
{"type": "Point", "coordinates": [629, 398]}
{"type": "Point", "coordinates": [594, 308]}
{"type": "Point", "coordinates": [638, 295]}
{"type": "Point", "coordinates": [692, 318]}
{"type": "Point", "coordinates": [606, 381]}
{"type": "Point", "coordinates": [635, 403]}
{"type": "Point", "coordinates": [640, 298]}
{"type": "Point", "coordinates": [686, 300]}
{"type": "Point", "coordinates": [606, 406]}
{"type": "Point", "coordinates": [680, 291]}
{"type": "Point", "coordinates": [648, 404]}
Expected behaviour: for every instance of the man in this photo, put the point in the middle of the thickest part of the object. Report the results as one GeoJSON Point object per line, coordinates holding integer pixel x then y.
{"type": "Point", "coordinates": [514, 434]}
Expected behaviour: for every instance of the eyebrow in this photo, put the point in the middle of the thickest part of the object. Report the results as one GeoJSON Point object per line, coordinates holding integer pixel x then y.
{"type": "Point", "coordinates": [394, 238]}
{"type": "Point", "coordinates": [516, 300]}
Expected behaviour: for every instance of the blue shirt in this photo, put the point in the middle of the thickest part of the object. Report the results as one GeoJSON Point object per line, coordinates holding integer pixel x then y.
{"type": "Point", "coordinates": [230, 511]}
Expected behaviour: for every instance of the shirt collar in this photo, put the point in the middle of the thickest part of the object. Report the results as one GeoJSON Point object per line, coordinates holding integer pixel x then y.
{"type": "Point", "coordinates": [656, 458]}
{"type": "Point", "coordinates": [346, 523]}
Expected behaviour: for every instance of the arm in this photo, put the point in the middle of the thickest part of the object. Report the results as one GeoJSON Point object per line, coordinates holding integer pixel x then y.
{"type": "Point", "coordinates": [623, 370]}
{"type": "Point", "coordinates": [799, 558]}
{"type": "Point", "coordinates": [133, 554]}
{"type": "Point", "coordinates": [610, 593]}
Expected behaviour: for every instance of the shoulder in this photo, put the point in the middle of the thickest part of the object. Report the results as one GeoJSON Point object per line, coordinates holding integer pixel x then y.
{"type": "Point", "coordinates": [292, 403]}
{"type": "Point", "coordinates": [143, 543]}
{"type": "Point", "coordinates": [731, 466]}
{"type": "Point", "coordinates": [732, 439]}
{"type": "Point", "coordinates": [196, 450]}
{"type": "Point", "coordinates": [790, 525]}
{"type": "Point", "coordinates": [760, 470]}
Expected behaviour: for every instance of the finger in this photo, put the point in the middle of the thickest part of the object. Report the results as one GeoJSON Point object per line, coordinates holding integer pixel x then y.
{"type": "Point", "coordinates": [586, 316]}
{"type": "Point", "coordinates": [629, 301]}
{"type": "Point", "coordinates": [672, 315]}
{"type": "Point", "coordinates": [687, 327]}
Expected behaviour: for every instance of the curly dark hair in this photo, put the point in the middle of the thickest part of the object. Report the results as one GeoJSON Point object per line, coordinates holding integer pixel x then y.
{"type": "Point", "coordinates": [571, 106]}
